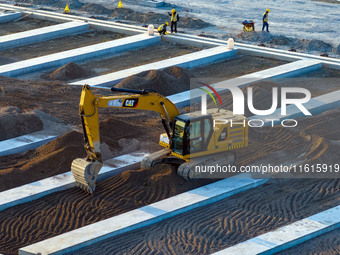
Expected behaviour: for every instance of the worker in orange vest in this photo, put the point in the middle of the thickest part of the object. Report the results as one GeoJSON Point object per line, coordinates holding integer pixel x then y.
{"type": "Point", "coordinates": [174, 20]}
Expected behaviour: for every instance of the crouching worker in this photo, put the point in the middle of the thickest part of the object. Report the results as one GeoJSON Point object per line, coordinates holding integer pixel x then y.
{"type": "Point", "coordinates": [162, 29]}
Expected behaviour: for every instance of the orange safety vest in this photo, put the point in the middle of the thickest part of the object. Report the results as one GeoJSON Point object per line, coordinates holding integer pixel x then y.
{"type": "Point", "coordinates": [174, 17]}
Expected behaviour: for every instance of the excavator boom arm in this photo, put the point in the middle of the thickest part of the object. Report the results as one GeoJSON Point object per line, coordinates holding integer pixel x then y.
{"type": "Point", "coordinates": [85, 171]}
{"type": "Point", "coordinates": [140, 100]}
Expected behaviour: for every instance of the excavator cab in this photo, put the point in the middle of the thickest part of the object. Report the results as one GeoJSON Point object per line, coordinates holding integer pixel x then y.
{"type": "Point", "coordinates": [202, 140]}
{"type": "Point", "coordinates": [191, 135]}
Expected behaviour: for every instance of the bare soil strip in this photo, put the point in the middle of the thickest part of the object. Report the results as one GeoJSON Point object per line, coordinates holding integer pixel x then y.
{"type": "Point", "coordinates": [57, 45]}
{"type": "Point", "coordinates": [23, 25]}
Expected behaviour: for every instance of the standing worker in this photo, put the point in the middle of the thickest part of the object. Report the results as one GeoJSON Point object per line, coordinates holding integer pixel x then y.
{"type": "Point", "coordinates": [162, 29]}
{"type": "Point", "coordinates": [265, 20]}
{"type": "Point", "coordinates": [174, 19]}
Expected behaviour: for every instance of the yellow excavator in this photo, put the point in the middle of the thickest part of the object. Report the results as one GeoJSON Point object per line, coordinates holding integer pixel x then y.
{"type": "Point", "coordinates": [190, 139]}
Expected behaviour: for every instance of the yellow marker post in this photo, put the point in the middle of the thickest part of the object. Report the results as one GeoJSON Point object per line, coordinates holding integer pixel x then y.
{"type": "Point", "coordinates": [67, 9]}
{"type": "Point", "coordinates": [120, 5]}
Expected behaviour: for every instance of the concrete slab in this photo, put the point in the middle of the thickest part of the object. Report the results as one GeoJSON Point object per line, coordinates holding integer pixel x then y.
{"type": "Point", "coordinates": [62, 58]}
{"type": "Point", "coordinates": [26, 142]}
{"type": "Point", "coordinates": [192, 60]}
{"type": "Point", "coordinates": [64, 181]}
{"type": "Point", "coordinates": [42, 34]}
{"type": "Point", "coordinates": [284, 71]}
{"type": "Point", "coordinates": [288, 236]}
{"type": "Point", "coordinates": [8, 17]}
{"type": "Point", "coordinates": [254, 50]}
{"type": "Point", "coordinates": [315, 106]}
{"type": "Point", "coordinates": [143, 216]}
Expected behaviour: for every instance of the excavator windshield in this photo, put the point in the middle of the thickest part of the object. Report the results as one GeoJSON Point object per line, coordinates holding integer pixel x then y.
{"type": "Point", "coordinates": [178, 136]}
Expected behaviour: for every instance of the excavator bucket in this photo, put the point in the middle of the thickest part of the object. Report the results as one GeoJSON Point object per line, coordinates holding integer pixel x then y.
{"type": "Point", "coordinates": [85, 173]}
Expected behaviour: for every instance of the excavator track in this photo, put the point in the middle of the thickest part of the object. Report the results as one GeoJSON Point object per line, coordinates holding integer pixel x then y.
{"type": "Point", "coordinates": [151, 159]}
{"type": "Point", "coordinates": [188, 171]}
{"type": "Point", "coordinates": [85, 173]}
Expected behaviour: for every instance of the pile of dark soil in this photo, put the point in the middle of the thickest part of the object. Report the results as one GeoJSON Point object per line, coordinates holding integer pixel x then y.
{"type": "Point", "coordinates": [124, 136]}
{"type": "Point", "coordinates": [169, 81]}
{"type": "Point", "coordinates": [69, 71]}
{"type": "Point", "coordinates": [50, 159]}
{"type": "Point", "coordinates": [117, 136]}
{"type": "Point", "coordinates": [14, 122]}
{"type": "Point", "coordinates": [294, 43]}
{"type": "Point", "coordinates": [156, 19]}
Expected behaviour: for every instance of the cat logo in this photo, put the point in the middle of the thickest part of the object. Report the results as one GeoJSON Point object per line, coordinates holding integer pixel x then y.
{"type": "Point", "coordinates": [132, 102]}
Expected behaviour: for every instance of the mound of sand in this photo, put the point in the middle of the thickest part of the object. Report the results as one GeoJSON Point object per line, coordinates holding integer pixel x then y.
{"type": "Point", "coordinates": [95, 8]}
{"type": "Point", "coordinates": [14, 122]}
{"type": "Point", "coordinates": [166, 82]}
{"type": "Point", "coordinates": [156, 19]}
{"type": "Point", "coordinates": [125, 137]}
{"type": "Point", "coordinates": [301, 44]}
{"type": "Point", "coordinates": [50, 159]}
{"type": "Point", "coordinates": [70, 71]}
{"type": "Point", "coordinates": [117, 137]}
{"type": "Point", "coordinates": [73, 4]}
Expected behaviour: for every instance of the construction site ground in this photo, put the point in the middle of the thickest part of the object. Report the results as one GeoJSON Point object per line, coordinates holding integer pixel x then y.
{"type": "Point", "coordinates": [23, 25]}
{"type": "Point", "coordinates": [56, 45]}
{"type": "Point", "coordinates": [209, 229]}
{"type": "Point", "coordinates": [274, 204]}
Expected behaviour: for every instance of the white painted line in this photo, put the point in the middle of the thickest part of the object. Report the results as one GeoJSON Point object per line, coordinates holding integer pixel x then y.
{"type": "Point", "coordinates": [284, 71]}
{"type": "Point", "coordinates": [79, 54]}
{"type": "Point", "coordinates": [36, 190]}
{"type": "Point", "coordinates": [288, 236]}
{"type": "Point", "coordinates": [8, 17]}
{"type": "Point", "coordinates": [191, 60]}
{"type": "Point", "coordinates": [315, 106]}
{"type": "Point", "coordinates": [42, 34]}
{"type": "Point", "coordinates": [143, 216]}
